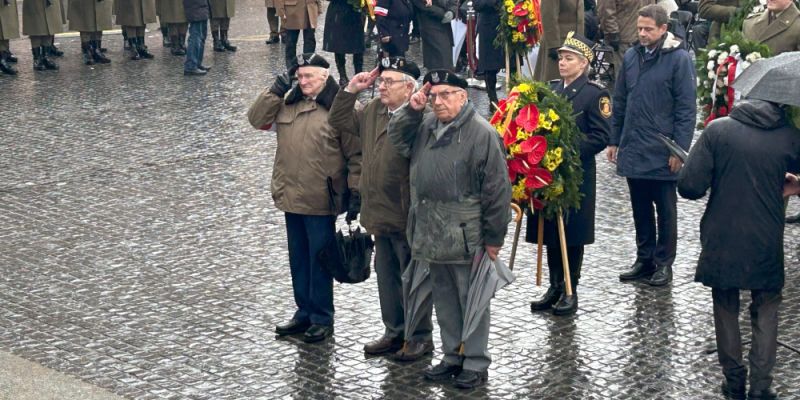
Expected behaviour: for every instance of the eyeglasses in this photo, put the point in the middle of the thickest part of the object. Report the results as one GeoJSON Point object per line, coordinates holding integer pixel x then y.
{"type": "Point", "coordinates": [444, 95]}
{"type": "Point", "coordinates": [387, 81]}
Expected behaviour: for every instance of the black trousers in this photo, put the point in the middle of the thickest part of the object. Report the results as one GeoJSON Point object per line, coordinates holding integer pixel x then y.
{"type": "Point", "coordinates": [764, 322]}
{"type": "Point", "coordinates": [556, 268]}
{"type": "Point", "coordinates": [655, 201]}
{"type": "Point", "coordinates": [309, 44]}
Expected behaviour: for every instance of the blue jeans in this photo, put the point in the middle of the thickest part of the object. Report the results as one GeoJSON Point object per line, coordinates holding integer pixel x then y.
{"type": "Point", "coordinates": [312, 285]}
{"type": "Point", "coordinates": [198, 30]}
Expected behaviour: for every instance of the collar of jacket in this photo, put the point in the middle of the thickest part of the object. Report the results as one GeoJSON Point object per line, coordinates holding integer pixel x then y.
{"type": "Point", "coordinates": [324, 98]}
{"type": "Point", "coordinates": [667, 44]}
{"type": "Point", "coordinates": [464, 116]}
{"type": "Point", "coordinates": [573, 88]}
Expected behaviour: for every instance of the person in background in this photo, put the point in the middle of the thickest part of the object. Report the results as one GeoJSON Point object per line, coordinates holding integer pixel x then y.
{"type": "Point", "coordinates": [221, 13]}
{"type": "Point", "coordinates": [9, 29]}
{"type": "Point", "coordinates": [298, 16]}
{"type": "Point", "coordinates": [342, 24]}
{"type": "Point", "coordinates": [197, 13]}
{"type": "Point", "coordinates": [392, 18]}
{"type": "Point", "coordinates": [40, 21]}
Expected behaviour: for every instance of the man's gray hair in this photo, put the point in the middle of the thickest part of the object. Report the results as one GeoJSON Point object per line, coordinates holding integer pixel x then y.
{"type": "Point", "coordinates": [656, 13]}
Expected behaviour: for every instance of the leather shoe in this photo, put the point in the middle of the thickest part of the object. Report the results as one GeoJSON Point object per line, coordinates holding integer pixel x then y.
{"type": "Point", "coordinates": [793, 219]}
{"type": "Point", "coordinates": [414, 350]}
{"type": "Point", "coordinates": [273, 40]}
{"type": "Point", "coordinates": [567, 305]}
{"type": "Point", "coordinates": [292, 327]}
{"type": "Point", "coordinates": [204, 68]}
{"type": "Point", "coordinates": [196, 71]}
{"type": "Point", "coordinates": [317, 333]}
{"type": "Point", "coordinates": [733, 392]}
{"type": "Point", "coordinates": [442, 372]}
{"type": "Point", "coordinates": [766, 394]}
{"type": "Point", "coordinates": [470, 379]}
{"type": "Point", "coordinates": [383, 345]}
{"type": "Point", "coordinates": [662, 276]}
{"type": "Point", "coordinates": [550, 297]}
{"type": "Point", "coordinates": [639, 270]}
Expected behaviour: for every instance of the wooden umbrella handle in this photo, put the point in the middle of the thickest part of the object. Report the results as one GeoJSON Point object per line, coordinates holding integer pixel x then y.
{"type": "Point", "coordinates": [518, 224]}
{"type": "Point", "coordinates": [562, 238]}
{"type": "Point", "coordinates": [539, 248]}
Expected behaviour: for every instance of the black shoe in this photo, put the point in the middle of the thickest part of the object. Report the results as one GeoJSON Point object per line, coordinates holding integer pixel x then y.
{"type": "Point", "coordinates": [567, 305]}
{"type": "Point", "coordinates": [10, 57]}
{"type": "Point", "coordinates": [442, 372]}
{"type": "Point", "coordinates": [132, 48]}
{"type": "Point", "coordinates": [223, 37]}
{"type": "Point", "coordinates": [731, 392]}
{"type": "Point", "coordinates": [142, 49]}
{"type": "Point", "coordinates": [88, 56]}
{"type": "Point", "coordinates": [550, 297]}
{"type": "Point", "coordinates": [317, 333]}
{"type": "Point", "coordinates": [470, 379]}
{"type": "Point", "coordinates": [52, 50]}
{"type": "Point", "coordinates": [661, 277]}
{"type": "Point", "coordinates": [204, 68]}
{"type": "Point", "coordinates": [414, 350]}
{"type": "Point", "coordinates": [383, 345]}
{"type": "Point", "coordinates": [218, 47]}
{"type": "Point", "coordinates": [5, 67]}
{"type": "Point", "coordinates": [766, 394]}
{"type": "Point", "coordinates": [639, 270]}
{"type": "Point", "coordinates": [176, 50]}
{"type": "Point", "coordinates": [98, 55]}
{"type": "Point", "coordinates": [38, 65]}
{"type": "Point", "coordinates": [273, 40]}
{"type": "Point", "coordinates": [196, 71]}
{"type": "Point", "coordinates": [48, 64]}
{"type": "Point", "coordinates": [793, 219]}
{"type": "Point", "coordinates": [292, 327]}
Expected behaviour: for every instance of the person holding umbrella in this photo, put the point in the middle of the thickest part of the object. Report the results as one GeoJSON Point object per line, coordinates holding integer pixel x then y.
{"type": "Point", "coordinates": [592, 105]}
{"type": "Point", "coordinates": [743, 159]}
{"type": "Point", "coordinates": [460, 196]}
{"type": "Point", "coordinates": [384, 190]}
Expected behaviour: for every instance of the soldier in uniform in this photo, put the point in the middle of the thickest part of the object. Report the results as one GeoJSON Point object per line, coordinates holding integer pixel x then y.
{"type": "Point", "coordinates": [41, 19]}
{"type": "Point", "coordinates": [778, 27]}
{"type": "Point", "coordinates": [384, 190]}
{"type": "Point", "coordinates": [275, 29]}
{"type": "Point", "coordinates": [297, 16]}
{"type": "Point", "coordinates": [392, 18]}
{"type": "Point", "coordinates": [173, 14]}
{"type": "Point", "coordinates": [718, 12]}
{"type": "Point", "coordinates": [618, 24]}
{"type": "Point", "coordinates": [591, 103]}
{"type": "Point", "coordinates": [134, 15]}
{"type": "Point", "coordinates": [459, 210]}
{"type": "Point", "coordinates": [90, 18]}
{"type": "Point", "coordinates": [9, 29]}
{"type": "Point", "coordinates": [434, 18]}
{"type": "Point", "coordinates": [559, 17]}
{"type": "Point", "coordinates": [221, 13]}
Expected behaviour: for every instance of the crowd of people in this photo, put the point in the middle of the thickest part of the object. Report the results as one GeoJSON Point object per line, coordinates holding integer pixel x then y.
{"type": "Point", "coordinates": [430, 182]}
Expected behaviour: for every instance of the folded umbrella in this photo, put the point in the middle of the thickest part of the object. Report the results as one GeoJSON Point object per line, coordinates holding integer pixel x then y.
{"type": "Point", "coordinates": [417, 295]}
{"type": "Point", "coordinates": [774, 79]}
{"type": "Point", "coordinates": [486, 278]}
{"type": "Point", "coordinates": [348, 258]}
{"type": "Point", "coordinates": [674, 148]}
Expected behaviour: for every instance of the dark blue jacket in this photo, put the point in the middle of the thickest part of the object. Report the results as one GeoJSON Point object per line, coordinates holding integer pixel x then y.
{"type": "Point", "coordinates": [196, 10]}
{"type": "Point", "coordinates": [655, 93]}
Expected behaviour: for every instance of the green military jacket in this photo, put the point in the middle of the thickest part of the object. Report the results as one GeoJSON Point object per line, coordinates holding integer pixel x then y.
{"type": "Point", "coordinates": [718, 12]}
{"type": "Point", "coordinates": [559, 17]}
{"type": "Point", "coordinates": [781, 36]}
{"type": "Point", "coordinates": [9, 20]}
{"type": "Point", "coordinates": [89, 15]}
{"type": "Point", "coordinates": [41, 19]}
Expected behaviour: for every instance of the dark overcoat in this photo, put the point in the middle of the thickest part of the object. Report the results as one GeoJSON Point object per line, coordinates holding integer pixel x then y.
{"type": "Point", "coordinates": [89, 15]}
{"type": "Point", "coordinates": [591, 104]}
{"type": "Point", "coordinates": [344, 29]}
{"type": "Point", "coordinates": [437, 38]}
{"type": "Point", "coordinates": [9, 20]}
{"type": "Point", "coordinates": [490, 57]}
{"type": "Point", "coordinates": [742, 160]}
{"type": "Point", "coordinates": [41, 17]}
{"type": "Point", "coordinates": [392, 18]}
{"type": "Point", "coordinates": [197, 10]}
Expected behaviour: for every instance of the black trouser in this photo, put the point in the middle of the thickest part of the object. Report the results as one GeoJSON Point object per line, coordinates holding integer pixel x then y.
{"type": "Point", "coordinates": [764, 322]}
{"type": "Point", "coordinates": [41, 40]}
{"type": "Point", "coordinates": [556, 267]}
{"type": "Point", "coordinates": [655, 243]}
{"type": "Point", "coordinates": [341, 63]}
{"type": "Point", "coordinates": [309, 44]}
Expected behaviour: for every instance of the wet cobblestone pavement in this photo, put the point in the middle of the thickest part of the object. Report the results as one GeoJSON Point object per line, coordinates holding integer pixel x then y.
{"type": "Point", "coordinates": [140, 252]}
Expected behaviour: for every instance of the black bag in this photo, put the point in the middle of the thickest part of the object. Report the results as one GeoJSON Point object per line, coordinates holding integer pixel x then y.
{"type": "Point", "coordinates": [348, 258]}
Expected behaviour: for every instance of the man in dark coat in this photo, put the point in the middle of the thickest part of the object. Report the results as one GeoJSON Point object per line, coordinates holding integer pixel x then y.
{"type": "Point", "coordinates": [491, 59]}
{"type": "Point", "coordinates": [655, 95]}
{"type": "Point", "coordinates": [592, 106]}
{"type": "Point", "coordinates": [743, 160]}
{"type": "Point", "coordinates": [434, 18]}
{"type": "Point", "coordinates": [344, 30]}
{"type": "Point", "coordinates": [392, 20]}
{"type": "Point", "coordinates": [197, 13]}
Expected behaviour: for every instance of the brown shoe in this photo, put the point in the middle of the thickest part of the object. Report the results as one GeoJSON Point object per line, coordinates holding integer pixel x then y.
{"type": "Point", "coordinates": [383, 345]}
{"type": "Point", "coordinates": [414, 350]}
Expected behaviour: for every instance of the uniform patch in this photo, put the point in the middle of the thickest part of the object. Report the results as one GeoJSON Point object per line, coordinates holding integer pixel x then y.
{"type": "Point", "coordinates": [605, 107]}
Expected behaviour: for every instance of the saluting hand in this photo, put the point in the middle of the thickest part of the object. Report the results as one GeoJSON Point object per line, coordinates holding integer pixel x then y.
{"type": "Point", "coordinates": [362, 80]}
{"type": "Point", "coordinates": [420, 98]}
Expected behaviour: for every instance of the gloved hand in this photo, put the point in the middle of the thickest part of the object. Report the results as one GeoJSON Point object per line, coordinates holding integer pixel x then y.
{"type": "Point", "coordinates": [282, 85]}
{"type": "Point", "coordinates": [353, 208]}
{"type": "Point", "coordinates": [613, 40]}
{"type": "Point", "coordinates": [553, 53]}
{"type": "Point", "coordinates": [448, 16]}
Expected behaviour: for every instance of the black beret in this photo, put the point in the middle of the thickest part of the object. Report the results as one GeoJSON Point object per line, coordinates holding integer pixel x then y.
{"type": "Point", "coordinates": [579, 44]}
{"type": "Point", "coordinates": [399, 64]}
{"type": "Point", "coordinates": [306, 60]}
{"type": "Point", "coordinates": [444, 77]}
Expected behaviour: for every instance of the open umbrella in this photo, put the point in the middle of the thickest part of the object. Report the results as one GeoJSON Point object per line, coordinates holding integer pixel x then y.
{"type": "Point", "coordinates": [417, 296]}
{"type": "Point", "coordinates": [486, 278]}
{"type": "Point", "coordinates": [773, 79]}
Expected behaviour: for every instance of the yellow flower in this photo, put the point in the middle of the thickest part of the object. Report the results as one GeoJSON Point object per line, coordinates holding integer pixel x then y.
{"type": "Point", "coordinates": [552, 115]}
{"type": "Point", "coordinates": [518, 191]}
{"type": "Point", "coordinates": [551, 166]}
{"type": "Point", "coordinates": [557, 189]}
{"type": "Point", "coordinates": [544, 123]}
{"type": "Point", "coordinates": [558, 151]}
{"type": "Point", "coordinates": [522, 135]}
{"type": "Point", "coordinates": [553, 158]}
{"type": "Point", "coordinates": [514, 149]}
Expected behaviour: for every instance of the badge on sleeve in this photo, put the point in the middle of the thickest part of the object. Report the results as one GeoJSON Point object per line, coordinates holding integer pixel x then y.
{"type": "Point", "coordinates": [605, 107]}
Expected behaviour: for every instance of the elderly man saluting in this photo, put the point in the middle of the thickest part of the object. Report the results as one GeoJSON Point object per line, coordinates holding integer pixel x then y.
{"type": "Point", "coordinates": [385, 196]}
{"type": "Point", "coordinates": [314, 166]}
{"type": "Point", "coordinates": [460, 197]}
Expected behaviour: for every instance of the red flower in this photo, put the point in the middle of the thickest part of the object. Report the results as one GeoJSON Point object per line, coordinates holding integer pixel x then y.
{"type": "Point", "coordinates": [519, 11]}
{"type": "Point", "coordinates": [534, 147]}
{"type": "Point", "coordinates": [510, 135]}
{"type": "Point", "coordinates": [538, 178]}
{"type": "Point", "coordinates": [528, 118]}
{"type": "Point", "coordinates": [516, 167]}
{"type": "Point", "coordinates": [723, 111]}
{"type": "Point", "coordinates": [521, 26]}
{"type": "Point", "coordinates": [502, 106]}
{"type": "Point", "coordinates": [536, 203]}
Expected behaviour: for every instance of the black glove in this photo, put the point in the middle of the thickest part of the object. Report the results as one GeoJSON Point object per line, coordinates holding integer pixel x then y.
{"type": "Point", "coordinates": [553, 53]}
{"type": "Point", "coordinates": [353, 207]}
{"type": "Point", "coordinates": [282, 85]}
{"type": "Point", "coordinates": [613, 40]}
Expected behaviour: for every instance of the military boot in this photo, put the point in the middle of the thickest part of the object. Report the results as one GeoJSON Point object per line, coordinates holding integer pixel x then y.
{"type": "Point", "coordinates": [550, 297]}
{"type": "Point", "coordinates": [48, 64]}
{"type": "Point", "coordinates": [52, 50]}
{"type": "Point", "coordinates": [567, 305]}
{"type": "Point", "coordinates": [182, 43]}
{"type": "Point", "coordinates": [165, 38]}
{"type": "Point", "coordinates": [88, 54]}
{"type": "Point", "coordinates": [38, 65]}
{"type": "Point", "coordinates": [223, 37]}
{"type": "Point", "coordinates": [218, 46]}
{"type": "Point", "coordinates": [132, 46]}
{"type": "Point", "coordinates": [126, 43]}
{"type": "Point", "coordinates": [100, 46]}
{"type": "Point", "coordinates": [98, 55]}
{"type": "Point", "coordinates": [175, 49]}
{"type": "Point", "coordinates": [5, 67]}
{"type": "Point", "coordinates": [142, 49]}
{"type": "Point", "coordinates": [10, 57]}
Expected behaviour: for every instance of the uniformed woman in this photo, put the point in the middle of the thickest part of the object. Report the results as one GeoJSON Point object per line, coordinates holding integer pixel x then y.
{"type": "Point", "coordinates": [41, 19]}
{"type": "Point", "coordinates": [221, 13]}
{"type": "Point", "coordinates": [591, 104]}
{"type": "Point", "coordinates": [9, 29]}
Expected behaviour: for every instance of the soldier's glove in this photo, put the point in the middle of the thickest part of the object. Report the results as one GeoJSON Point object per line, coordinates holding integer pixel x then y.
{"type": "Point", "coordinates": [613, 40]}
{"type": "Point", "coordinates": [282, 85]}
{"type": "Point", "coordinates": [553, 53]}
{"type": "Point", "coordinates": [353, 208]}
{"type": "Point", "coordinates": [448, 16]}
